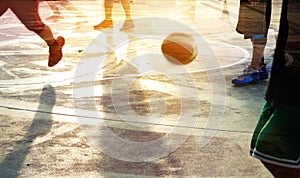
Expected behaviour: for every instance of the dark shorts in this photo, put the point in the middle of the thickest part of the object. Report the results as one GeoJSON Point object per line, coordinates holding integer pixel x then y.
{"type": "Point", "coordinates": [251, 20]}
{"type": "Point", "coordinates": [276, 138]}
{"type": "Point", "coordinates": [26, 11]}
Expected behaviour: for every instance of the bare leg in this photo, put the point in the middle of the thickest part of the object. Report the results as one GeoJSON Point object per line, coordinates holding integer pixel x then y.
{"type": "Point", "coordinates": [47, 35]}
{"type": "Point", "coordinates": [55, 45]}
{"type": "Point", "coordinates": [108, 6]}
{"type": "Point", "coordinates": [256, 71]}
{"type": "Point", "coordinates": [282, 172]}
{"type": "Point", "coordinates": [128, 24]}
{"type": "Point", "coordinates": [107, 22]}
{"type": "Point", "coordinates": [126, 7]}
{"type": "Point", "coordinates": [258, 47]}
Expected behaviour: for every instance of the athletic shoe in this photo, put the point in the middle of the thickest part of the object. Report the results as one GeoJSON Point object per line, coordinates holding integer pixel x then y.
{"type": "Point", "coordinates": [128, 24]}
{"type": "Point", "coordinates": [55, 51]}
{"type": "Point", "coordinates": [104, 24]}
{"type": "Point", "coordinates": [251, 76]}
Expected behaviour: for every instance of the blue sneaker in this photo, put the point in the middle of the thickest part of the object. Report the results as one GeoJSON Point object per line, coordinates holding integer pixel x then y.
{"type": "Point", "coordinates": [251, 76]}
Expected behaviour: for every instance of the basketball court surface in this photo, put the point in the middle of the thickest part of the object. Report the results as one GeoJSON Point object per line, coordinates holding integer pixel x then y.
{"type": "Point", "coordinates": [115, 107]}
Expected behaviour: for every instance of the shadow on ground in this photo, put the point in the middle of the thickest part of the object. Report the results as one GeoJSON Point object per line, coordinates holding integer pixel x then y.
{"type": "Point", "coordinates": [40, 125]}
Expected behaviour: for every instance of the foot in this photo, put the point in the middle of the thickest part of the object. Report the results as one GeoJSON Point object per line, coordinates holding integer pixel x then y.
{"type": "Point", "coordinates": [251, 76]}
{"type": "Point", "coordinates": [128, 24]}
{"type": "Point", "coordinates": [104, 24]}
{"type": "Point", "coordinates": [54, 17]}
{"type": "Point", "coordinates": [55, 51]}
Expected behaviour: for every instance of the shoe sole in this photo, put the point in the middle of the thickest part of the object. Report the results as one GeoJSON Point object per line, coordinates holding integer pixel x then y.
{"type": "Point", "coordinates": [244, 84]}
{"type": "Point", "coordinates": [250, 83]}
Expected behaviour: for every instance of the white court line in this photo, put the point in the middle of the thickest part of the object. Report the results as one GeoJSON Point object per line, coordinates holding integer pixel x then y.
{"type": "Point", "coordinates": [91, 118]}
{"type": "Point", "coordinates": [67, 77]}
{"type": "Point", "coordinates": [68, 114]}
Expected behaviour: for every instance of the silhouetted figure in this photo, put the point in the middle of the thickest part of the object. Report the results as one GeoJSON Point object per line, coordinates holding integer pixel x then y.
{"type": "Point", "coordinates": [54, 5]}
{"type": "Point", "coordinates": [40, 126]}
{"type": "Point", "coordinates": [276, 139]}
{"type": "Point", "coordinates": [254, 23]}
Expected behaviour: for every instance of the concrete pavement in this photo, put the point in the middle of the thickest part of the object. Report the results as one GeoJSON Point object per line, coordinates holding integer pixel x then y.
{"type": "Point", "coordinates": [114, 107]}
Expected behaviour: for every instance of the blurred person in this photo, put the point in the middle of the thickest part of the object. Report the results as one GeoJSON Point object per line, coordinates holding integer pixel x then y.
{"type": "Point", "coordinates": [54, 5]}
{"type": "Point", "coordinates": [108, 22]}
{"type": "Point", "coordinates": [276, 138]}
{"type": "Point", "coordinates": [27, 13]}
{"type": "Point", "coordinates": [253, 23]}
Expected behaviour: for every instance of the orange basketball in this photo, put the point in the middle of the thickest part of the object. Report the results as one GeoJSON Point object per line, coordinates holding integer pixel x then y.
{"type": "Point", "coordinates": [179, 48]}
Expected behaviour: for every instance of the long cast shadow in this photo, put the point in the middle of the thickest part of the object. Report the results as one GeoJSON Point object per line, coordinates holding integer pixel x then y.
{"type": "Point", "coordinates": [41, 125]}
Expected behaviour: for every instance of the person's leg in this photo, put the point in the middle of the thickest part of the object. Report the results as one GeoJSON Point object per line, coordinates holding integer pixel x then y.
{"type": "Point", "coordinates": [107, 22]}
{"type": "Point", "coordinates": [128, 24]}
{"type": "Point", "coordinates": [258, 48]}
{"type": "Point", "coordinates": [27, 12]}
{"type": "Point", "coordinates": [45, 33]}
{"type": "Point", "coordinates": [282, 172]}
{"type": "Point", "coordinates": [3, 7]}
{"type": "Point", "coordinates": [275, 140]}
{"type": "Point", "coordinates": [55, 45]}
{"type": "Point", "coordinates": [108, 6]}
{"type": "Point", "coordinates": [126, 7]}
{"type": "Point", "coordinates": [252, 24]}
{"type": "Point", "coordinates": [256, 71]}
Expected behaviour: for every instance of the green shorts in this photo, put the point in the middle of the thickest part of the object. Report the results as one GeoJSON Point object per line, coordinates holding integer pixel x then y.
{"type": "Point", "coordinates": [276, 138]}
